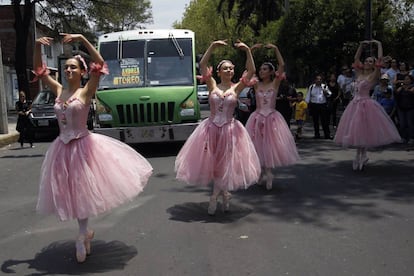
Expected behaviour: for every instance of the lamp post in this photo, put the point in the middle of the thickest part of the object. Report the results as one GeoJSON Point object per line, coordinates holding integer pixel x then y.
{"type": "Point", "coordinates": [368, 20]}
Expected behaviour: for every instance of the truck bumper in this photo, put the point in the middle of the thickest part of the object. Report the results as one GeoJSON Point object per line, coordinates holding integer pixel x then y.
{"type": "Point", "coordinates": [150, 134]}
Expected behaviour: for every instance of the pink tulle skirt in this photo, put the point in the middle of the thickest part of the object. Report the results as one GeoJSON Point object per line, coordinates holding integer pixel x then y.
{"type": "Point", "coordinates": [89, 176]}
{"type": "Point", "coordinates": [272, 139]}
{"type": "Point", "coordinates": [365, 123]}
{"type": "Point", "coordinates": [224, 155]}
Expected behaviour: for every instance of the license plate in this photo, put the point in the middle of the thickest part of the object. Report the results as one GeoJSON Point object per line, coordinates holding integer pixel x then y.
{"type": "Point", "coordinates": [43, 123]}
{"type": "Point", "coordinates": [147, 133]}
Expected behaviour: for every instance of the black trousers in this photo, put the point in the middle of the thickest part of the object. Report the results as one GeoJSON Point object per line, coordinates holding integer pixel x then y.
{"type": "Point", "coordinates": [320, 112]}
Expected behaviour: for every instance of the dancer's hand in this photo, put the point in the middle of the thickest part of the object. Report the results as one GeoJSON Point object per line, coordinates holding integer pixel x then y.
{"type": "Point", "coordinates": [240, 45]}
{"type": "Point", "coordinates": [256, 46]}
{"type": "Point", "coordinates": [270, 46]}
{"type": "Point", "coordinates": [44, 40]}
{"type": "Point", "coordinates": [219, 43]}
{"type": "Point", "coordinates": [68, 38]}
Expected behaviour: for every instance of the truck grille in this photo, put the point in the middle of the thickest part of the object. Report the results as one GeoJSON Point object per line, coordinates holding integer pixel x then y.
{"type": "Point", "coordinates": [146, 113]}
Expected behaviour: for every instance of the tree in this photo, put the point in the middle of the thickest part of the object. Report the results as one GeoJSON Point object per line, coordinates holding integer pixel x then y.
{"type": "Point", "coordinates": [255, 14]}
{"type": "Point", "coordinates": [201, 17]}
{"type": "Point", "coordinates": [22, 25]}
{"type": "Point", "coordinates": [122, 15]}
{"type": "Point", "coordinates": [73, 17]}
{"type": "Point", "coordinates": [321, 35]}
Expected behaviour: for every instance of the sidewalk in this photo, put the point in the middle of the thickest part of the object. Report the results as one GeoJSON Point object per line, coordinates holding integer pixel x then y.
{"type": "Point", "coordinates": [13, 135]}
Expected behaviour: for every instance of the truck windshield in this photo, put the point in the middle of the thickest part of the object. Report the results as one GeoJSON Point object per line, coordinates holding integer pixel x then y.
{"type": "Point", "coordinates": [139, 63]}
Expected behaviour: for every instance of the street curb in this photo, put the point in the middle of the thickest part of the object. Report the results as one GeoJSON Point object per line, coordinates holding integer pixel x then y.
{"type": "Point", "coordinates": [9, 139]}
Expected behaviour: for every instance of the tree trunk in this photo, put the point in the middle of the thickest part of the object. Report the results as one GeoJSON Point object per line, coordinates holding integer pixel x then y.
{"type": "Point", "coordinates": [22, 25]}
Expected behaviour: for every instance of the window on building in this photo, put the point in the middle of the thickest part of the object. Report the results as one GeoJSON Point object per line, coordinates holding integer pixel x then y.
{"type": "Point", "coordinates": [47, 50]}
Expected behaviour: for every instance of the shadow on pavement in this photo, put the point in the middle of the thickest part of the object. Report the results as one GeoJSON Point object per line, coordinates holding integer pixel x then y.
{"type": "Point", "coordinates": [59, 258]}
{"type": "Point", "coordinates": [197, 212]}
{"type": "Point", "coordinates": [326, 191]}
{"type": "Point", "coordinates": [321, 192]}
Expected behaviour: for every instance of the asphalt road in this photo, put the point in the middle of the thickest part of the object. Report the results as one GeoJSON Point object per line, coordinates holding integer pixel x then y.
{"type": "Point", "coordinates": [322, 218]}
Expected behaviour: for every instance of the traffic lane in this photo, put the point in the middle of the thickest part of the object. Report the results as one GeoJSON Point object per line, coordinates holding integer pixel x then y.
{"type": "Point", "coordinates": [322, 215]}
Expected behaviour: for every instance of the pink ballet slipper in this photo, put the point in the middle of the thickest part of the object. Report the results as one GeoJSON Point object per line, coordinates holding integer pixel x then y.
{"type": "Point", "coordinates": [80, 249]}
{"type": "Point", "coordinates": [212, 206]}
{"type": "Point", "coordinates": [355, 164]}
{"type": "Point", "coordinates": [88, 239]}
{"type": "Point", "coordinates": [363, 162]}
{"type": "Point", "coordinates": [226, 202]}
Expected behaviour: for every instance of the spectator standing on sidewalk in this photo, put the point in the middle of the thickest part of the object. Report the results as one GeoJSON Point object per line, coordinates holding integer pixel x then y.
{"type": "Point", "coordinates": [285, 97]}
{"type": "Point", "coordinates": [393, 70]}
{"type": "Point", "coordinates": [23, 126]}
{"type": "Point", "coordinates": [384, 94]}
{"type": "Point", "coordinates": [317, 100]}
{"type": "Point", "coordinates": [300, 107]}
{"type": "Point", "coordinates": [346, 87]}
{"type": "Point", "coordinates": [333, 100]}
{"type": "Point", "coordinates": [404, 96]}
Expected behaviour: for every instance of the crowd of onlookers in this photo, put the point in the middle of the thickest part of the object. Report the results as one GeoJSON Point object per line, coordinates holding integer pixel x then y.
{"type": "Point", "coordinates": [394, 92]}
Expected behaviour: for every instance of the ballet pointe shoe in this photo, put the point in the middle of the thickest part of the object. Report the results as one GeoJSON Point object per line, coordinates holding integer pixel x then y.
{"type": "Point", "coordinates": [269, 183]}
{"type": "Point", "coordinates": [262, 179]}
{"type": "Point", "coordinates": [355, 164]}
{"type": "Point", "coordinates": [363, 162]}
{"type": "Point", "coordinates": [88, 238]}
{"type": "Point", "coordinates": [226, 202]}
{"type": "Point", "coordinates": [212, 206]}
{"type": "Point", "coordinates": [80, 249]}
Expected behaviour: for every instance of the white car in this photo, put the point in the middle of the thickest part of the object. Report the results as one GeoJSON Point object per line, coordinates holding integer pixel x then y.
{"type": "Point", "coordinates": [202, 93]}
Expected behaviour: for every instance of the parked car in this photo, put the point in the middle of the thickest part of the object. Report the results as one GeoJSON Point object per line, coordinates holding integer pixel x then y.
{"type": "Point", "coordinates": [202, 93]}
{"type": "Point", "coordinates": [245, 105]}
{"type": "Point", "coordinates": [43, 117]}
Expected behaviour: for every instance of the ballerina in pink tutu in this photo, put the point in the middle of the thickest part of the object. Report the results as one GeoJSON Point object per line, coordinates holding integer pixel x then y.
{"type": "Point", "coordinates": [220, 150]}
{"type": "Point", "coordinates": [82, 174]}
{"type": "Point", "coordinates": [364, 123]}
{"type": "Point", "coordinates": [268, 130]}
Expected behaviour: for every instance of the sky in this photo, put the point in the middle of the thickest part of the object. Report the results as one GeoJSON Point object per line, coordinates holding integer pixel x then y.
{"type": "Point", "coordinates": [166, 12]}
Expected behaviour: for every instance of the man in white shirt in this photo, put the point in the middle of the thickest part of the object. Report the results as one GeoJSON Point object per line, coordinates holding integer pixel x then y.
{"type": "Point", "coordinates": [316, 98]}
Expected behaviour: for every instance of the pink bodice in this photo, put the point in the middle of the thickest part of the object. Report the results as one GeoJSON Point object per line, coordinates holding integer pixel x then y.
{"type": "Point", "coordinates": [222, 107]}
{"type": "Point", "coordinates": [72, 116]}
{"type": "Point", "coordinates": [362, 88]}
{"type": "Point", "coordinates": [265, 101]}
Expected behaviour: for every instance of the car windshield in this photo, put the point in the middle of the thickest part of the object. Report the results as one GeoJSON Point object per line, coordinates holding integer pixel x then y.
{"type": "Point", "coordinates": [139, 63]}
{"type": "Point", "coordinates": [45, 97]}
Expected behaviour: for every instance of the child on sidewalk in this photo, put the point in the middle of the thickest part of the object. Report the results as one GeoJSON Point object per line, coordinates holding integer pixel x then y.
{"type": "Point", "coordinates": [300, 107]}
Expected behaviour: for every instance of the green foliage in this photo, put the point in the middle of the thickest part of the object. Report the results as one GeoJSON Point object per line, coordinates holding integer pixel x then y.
{"type": "Point", "coordinates": [255, 14]}
{"type": "Point", "coordinates": [110, 16]}
{"type": "Point", "coordinates": [314, 36]}
{"type": "Point", "coordinates": [89, 17]}
{"type": "Point", "coordinates": [201, 17]}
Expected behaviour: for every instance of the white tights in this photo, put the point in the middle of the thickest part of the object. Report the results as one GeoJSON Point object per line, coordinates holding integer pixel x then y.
{"type": "Point", "coordinates": [83, 226]}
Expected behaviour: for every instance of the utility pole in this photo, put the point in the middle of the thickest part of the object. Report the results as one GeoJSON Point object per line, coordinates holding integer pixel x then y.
{"type": "Point", "coordinates": [4, 129]}
{"type": "Point", "coordinates": [368, 20]}
{"type": "Point", "coordinates": [287, 5]}
{"type": "Point", "coordinates": [368, 26]}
